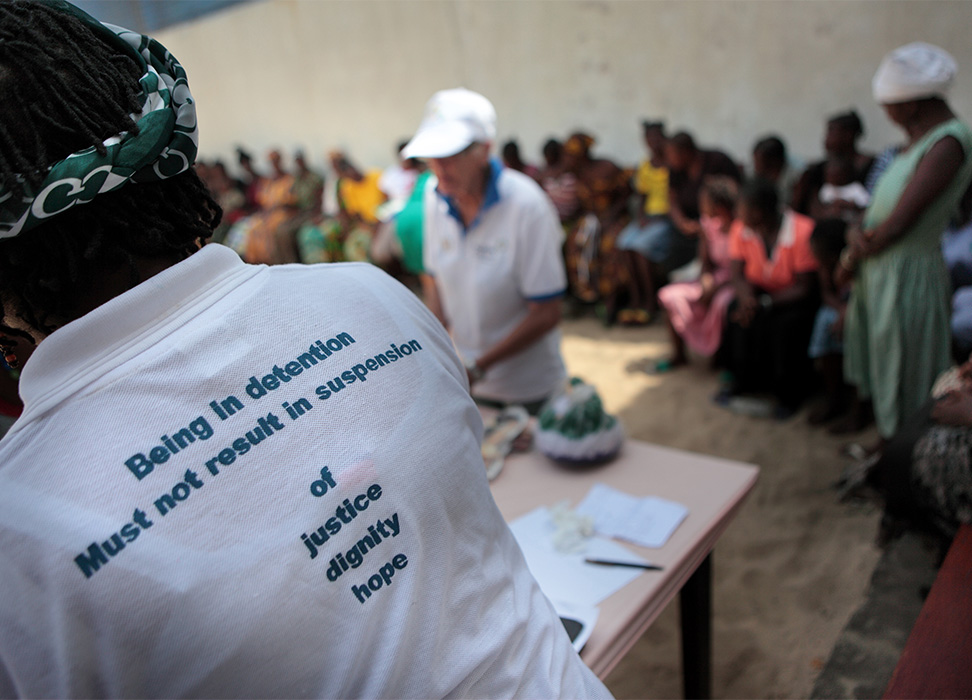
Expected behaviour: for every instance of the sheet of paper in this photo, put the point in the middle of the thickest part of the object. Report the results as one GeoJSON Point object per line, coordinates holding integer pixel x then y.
{"type": "Point", "coordinates": [648, 521]}
{"type": "Point", "coordinates": [568, 578]}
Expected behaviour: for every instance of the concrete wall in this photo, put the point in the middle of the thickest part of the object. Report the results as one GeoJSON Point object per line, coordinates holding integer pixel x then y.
{"type": "Point", "coordinates": [355, 74]}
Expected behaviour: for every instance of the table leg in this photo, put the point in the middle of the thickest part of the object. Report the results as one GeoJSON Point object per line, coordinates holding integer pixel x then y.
{"type": "Point", "coordinates": [695, 602]}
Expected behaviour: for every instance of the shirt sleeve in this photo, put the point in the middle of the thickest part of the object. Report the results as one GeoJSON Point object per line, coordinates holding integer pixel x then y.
{"type": "Point", "coordinates": [803, 257]}
{"type": "Point", "coordinates": [539, 264]}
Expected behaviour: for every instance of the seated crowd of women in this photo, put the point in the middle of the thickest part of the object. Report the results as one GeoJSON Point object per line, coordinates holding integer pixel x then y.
{"type": "Point", "coordinates": [841, 264]}
{"type": "Point", "coordinates": [730, 261]}
{"type": "Point", "coordinates": [280, 216]}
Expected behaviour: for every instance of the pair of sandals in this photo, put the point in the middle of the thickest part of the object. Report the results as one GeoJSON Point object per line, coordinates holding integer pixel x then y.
{"type": "Point", "coordinates": [500, 434]}
{"type": "Point", "coordinates": [634, 317]}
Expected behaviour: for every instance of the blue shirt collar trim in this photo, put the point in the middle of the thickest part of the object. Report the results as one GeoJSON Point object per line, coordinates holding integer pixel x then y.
{"type": "Point", "coordinates": [491, 198]}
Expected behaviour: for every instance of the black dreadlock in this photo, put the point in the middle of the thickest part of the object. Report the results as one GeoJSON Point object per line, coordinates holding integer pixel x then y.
{"type": "Point", "coordinates": [63, 89]}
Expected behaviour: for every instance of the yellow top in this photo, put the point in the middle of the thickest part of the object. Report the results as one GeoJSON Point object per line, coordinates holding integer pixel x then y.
{"type": "Point", "coordinates": [653, 183]}
{"type": "Point", "coordinates": [361, 199]}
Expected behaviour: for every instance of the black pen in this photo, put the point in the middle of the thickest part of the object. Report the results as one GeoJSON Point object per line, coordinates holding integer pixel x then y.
{"type": "Point", "coordinates": [632, 564]}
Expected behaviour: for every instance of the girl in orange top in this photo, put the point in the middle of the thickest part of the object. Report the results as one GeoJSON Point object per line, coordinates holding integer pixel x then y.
{"type": "Point", "coordinates": [774, 276]}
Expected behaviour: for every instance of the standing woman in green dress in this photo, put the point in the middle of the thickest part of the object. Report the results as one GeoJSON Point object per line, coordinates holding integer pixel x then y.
{"type": "Point", "coordinates": [897, 326]}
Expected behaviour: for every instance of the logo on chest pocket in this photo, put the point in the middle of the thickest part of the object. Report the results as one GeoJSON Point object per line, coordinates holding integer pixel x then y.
{"type": "Point", "coordinates": [488, 252]}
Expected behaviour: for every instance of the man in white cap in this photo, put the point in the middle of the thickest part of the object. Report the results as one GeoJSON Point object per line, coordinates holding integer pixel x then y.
{"type": "Point", "coordinates": [492, 253]}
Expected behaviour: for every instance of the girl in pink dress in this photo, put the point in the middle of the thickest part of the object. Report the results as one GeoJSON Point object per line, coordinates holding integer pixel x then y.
{"type": "Point", "coordinates": [696, 310]}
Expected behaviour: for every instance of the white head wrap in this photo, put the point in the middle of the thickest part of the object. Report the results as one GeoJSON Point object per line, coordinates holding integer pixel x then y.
{"type": "Point", "coordinates": [913, 72]}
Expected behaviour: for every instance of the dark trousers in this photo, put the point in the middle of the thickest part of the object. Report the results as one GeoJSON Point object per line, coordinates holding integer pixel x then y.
{"type": "Point", "coordinates": [770, 354]}
{"type": "Point", "coordinates": [892, 473]}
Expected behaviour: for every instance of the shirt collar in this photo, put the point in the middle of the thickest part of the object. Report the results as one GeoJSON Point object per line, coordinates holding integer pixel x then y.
{"type": "Point", "coordinates": [83, 351]}
{"type": "Point", "coordinates": [491, 197]}
{"type": "Point", "coordinates": [784, 239]}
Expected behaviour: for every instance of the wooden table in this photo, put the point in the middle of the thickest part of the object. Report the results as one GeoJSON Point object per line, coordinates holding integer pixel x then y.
{"type": "Point", "coordinates": [713, 490]}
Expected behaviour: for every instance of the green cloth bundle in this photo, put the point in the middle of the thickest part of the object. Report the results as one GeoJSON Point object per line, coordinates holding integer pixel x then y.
{"type": "Point", "coordinates": [574, 427]}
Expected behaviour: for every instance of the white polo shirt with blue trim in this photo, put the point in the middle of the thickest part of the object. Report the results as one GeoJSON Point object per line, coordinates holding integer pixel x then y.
{"type": "Point", "coordinates": [489, 272]}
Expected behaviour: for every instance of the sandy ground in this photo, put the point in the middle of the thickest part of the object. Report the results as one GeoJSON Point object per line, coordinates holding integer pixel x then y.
{"type": "Point", "coordinates": [792, 567]}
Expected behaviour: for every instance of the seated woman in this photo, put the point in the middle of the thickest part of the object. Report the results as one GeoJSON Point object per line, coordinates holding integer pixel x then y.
{"type": "Point", "coordinates": [840, 143]}
{"type": "Point", "coordinates": [644, 246]}
{"type": "Point", "coordinates": [256, 236]}
{"type": "Point", "coordinates": [774, 274]}
{"type": "Point", "coordinates": [264, 244]}
{"type": "Point", "coordinates": [696, 310]}
{"type": "Point", "coordinates": [513, 160]}
{"type": "Point", "coordinates": [688, 167]}
{"type": "Point", "coordinates": [307, 195]}
{"type": "Point", "coordinates": [925, 472]}
{"type": "Point", "coordinates": [359, 198]}
{"type": "Point", "coordinates": [593, 272]}
{"type": "Point", "coordinates": [348, 235]}
{"type": "Point", "coordinates": [559, 183]}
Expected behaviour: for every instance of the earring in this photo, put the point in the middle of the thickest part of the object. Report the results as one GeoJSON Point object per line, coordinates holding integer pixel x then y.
{"type": "Point", "coordinates": [9, 356]}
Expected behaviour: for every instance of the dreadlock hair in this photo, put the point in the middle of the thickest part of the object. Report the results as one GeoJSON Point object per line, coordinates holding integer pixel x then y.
{"type": "Point", "coordinates": [64, 89]}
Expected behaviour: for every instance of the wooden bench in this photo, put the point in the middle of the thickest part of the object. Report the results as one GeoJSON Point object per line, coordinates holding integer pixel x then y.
{"type": "Point", "coordinates": [937, 660]}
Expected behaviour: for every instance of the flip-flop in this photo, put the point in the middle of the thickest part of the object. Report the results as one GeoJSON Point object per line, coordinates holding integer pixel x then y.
{"type": "Point", "coordinates": [634, 317]}
{"type": "Point", "coordinates": [657, 367]}
{"type": "Point", "coordinates": [855, 451]}
{"type": "Point", "coordinates": [649, 366]}
{"type": "Point", "coordinates": [751, 406]}
{"type": "Point", "coordinates": [499, 436]}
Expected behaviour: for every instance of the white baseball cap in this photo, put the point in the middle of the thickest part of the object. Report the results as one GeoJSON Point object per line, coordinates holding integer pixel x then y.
{"type": "Point", "coordinates": [912, 72]}
{"type": "Point", "coordinates": [453, 120]}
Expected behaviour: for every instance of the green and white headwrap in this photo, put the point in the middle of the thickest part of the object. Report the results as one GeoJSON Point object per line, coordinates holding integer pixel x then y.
{"type": "Point", "coordinates": [164, 146]}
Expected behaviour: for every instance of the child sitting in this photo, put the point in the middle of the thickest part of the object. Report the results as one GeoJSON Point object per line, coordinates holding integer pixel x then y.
{"type": "Point", "coordinates": [826, 345]}
{"type": "Point", "coordinates": [695, 310]}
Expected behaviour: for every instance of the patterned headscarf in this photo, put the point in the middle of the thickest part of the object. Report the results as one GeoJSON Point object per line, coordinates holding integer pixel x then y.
{"type": "Point", "coordinates": [164, 146]}
{"type": "Point", "coordinates": [578, 143]}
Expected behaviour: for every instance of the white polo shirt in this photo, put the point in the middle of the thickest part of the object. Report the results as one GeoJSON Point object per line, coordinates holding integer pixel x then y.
{"type": "Point", "coordinates": [486, 275]}
{"type": "Point", "coordinates": [242, 481]}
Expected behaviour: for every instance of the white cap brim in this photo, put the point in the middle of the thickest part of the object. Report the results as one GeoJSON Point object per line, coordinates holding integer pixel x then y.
{"type": "Point", "coordinates": [439, 140]}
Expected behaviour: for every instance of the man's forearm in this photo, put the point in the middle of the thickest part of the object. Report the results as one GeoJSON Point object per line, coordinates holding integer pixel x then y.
{"type": "Point", "coordinates": [540, 320]}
